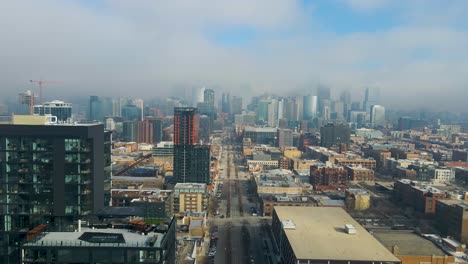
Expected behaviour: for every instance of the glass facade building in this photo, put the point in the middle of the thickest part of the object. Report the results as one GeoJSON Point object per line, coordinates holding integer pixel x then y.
{"type": "Point", "coordinates": [60, 109]}
{"type": "Point", "coordinates": [50, 175]}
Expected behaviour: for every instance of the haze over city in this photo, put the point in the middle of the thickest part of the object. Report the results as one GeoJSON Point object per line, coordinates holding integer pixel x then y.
{"type": "Point", "coordinates": [414, 51]}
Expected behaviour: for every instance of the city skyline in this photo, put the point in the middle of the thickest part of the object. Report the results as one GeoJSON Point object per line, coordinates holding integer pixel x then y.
{"type": "Point", "coordinates": [412, 49]}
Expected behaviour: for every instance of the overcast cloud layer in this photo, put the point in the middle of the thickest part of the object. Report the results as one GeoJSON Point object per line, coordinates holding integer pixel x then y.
{"type": "Point", "coordinates": [416, 51]}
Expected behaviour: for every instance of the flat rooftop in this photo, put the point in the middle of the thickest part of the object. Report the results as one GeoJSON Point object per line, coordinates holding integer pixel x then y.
{"type": "Point", "coordinates": [409, 243]}
{"type": "Point", "coordinates": [320, 234]}
{"type": "Point", "coordinates": [100, 238]}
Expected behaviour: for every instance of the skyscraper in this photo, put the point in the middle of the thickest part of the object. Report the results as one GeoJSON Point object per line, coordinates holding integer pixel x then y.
{"type": "Point", "coordinates": [191, 161]}
{"type": "Point", "coordinates": [236, 105]}
{"type": "Point", "coordinates": [131, 112]}
{"type": "Point", "coordinates": [198, 95]}
{"type": "Point", "coordinates": [323, 95]}
{"type": "Point", "coordinates": [285, 138]}
{"type": "Point", "coordinates": [130, 131]}
{"type": "Point", "coordinates": [51, 174]}
{"type": "Point", "coordinates": [310, 106]}
{"type": "Point", "coordinates": [139, 103]}
{"type": "Point", "coordinates": [99, 107]}
{"type": "Point", "coordinates": [226, 103]}
{"type": "Point", "coordinates": [372, 97]}
{"type": "Point", "coordinates": [209, 98]}
{"type": "Point", "coordinates": [333, 135]}
{"type": "Point", "coordinates": [186, 125]}
{"type": "Point", "coordinates": [378, 116]}
{"type": "Point", "coordinates": [95, 109]}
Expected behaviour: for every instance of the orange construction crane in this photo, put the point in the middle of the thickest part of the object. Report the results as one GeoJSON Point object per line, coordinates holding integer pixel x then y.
{"type": "Point", "coordinates": [41, 82]}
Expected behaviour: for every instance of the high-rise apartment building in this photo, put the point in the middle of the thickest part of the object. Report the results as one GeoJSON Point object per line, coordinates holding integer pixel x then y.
{"type": "Point", "coordinates": [236, 105]}
{"type": "Point", "coordinates": [323, 96]}
{"type": "Point", "coordinates": [191, 161]}
{"type": "Point", "coordinates": [310, 106]}
{"type": "Point", "coordinates": [209, 98]}
{"type": "Point", "coordinates": [377, 116]}
{"type": "Point", "coordinates": [130, 131]}
{"type": "Point", "coordinates": [60, 109]}
{"type": "Point", "coordinates": [99, 107]}
{"type": "Point", "coordinates": [372, 97]}
{"type": "Point", "coordinates": [333, 135]}
{"type": "Point", "coordinates": [226, 103]}
{"type": "Point", "coordinates": [198, 95]}
{"type": "Point", "coordinates": [131, 112]}
{"type": "Point", "coordinates": [186, 125]}
{"type": "Point", "coordinates": [140, 104]}
{"type": "Point", "coordinates": [50, 174]}
{"type": "Point", "coordinates": [285, 138]}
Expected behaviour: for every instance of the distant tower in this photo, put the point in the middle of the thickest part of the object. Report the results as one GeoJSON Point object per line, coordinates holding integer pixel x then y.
{"type": "Point", "coordinates": [198, 95]}
{"type": "Point", "coordinates": [378, 116]}
{"type": "Point", "coordinates": [139, 104]}
{"type": "Point", "coordinates": [323, 96]}
{"type": "Point", "coordinates": [372, 97]}
{"type": "Point", "coordinates": [310, 106]}
{"type": "Point", "coordinates": [333, 135]}
{"type": "Point", "coordinates": [236, 105]}
{"type": "Point", "coordinates": [209, 98]}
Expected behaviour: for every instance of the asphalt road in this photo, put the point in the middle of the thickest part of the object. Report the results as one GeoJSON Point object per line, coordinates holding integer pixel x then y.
{"type": "Point", "coordinates": [243, 238]}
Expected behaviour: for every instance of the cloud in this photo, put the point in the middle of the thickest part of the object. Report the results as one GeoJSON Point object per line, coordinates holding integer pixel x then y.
{"type": "Point", "coordinates": [366, 5]}
{"type": "Point", "coordinates": [146, 48]}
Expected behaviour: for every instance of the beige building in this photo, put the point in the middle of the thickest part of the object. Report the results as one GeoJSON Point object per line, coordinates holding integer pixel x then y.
{"type": "Point", "coordinates": [324, 235]}
{"type": "Point", "coordinates": [190, 197]}
{"type": "Point", "coordinates": [357, 199]}
{"type": "Point", "coordinates": [292, 152]}
{"type": "Point", "coordinates": [302, 164]}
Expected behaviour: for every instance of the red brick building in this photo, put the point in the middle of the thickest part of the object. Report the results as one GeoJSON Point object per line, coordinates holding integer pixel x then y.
{"type": "Point", "coordinates": [418, 196]}
{"type": "Point", "coordinates": [328, 176]}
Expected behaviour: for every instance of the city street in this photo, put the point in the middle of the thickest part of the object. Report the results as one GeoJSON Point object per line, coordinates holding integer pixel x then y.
{"type": "Point", "coordinates": [243, 238]}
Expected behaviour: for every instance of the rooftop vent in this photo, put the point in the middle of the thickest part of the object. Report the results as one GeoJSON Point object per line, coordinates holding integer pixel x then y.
{"type": "Point", "coordinates": [350, 229]}
{"type": "Point", "coordinates": [288, 224]}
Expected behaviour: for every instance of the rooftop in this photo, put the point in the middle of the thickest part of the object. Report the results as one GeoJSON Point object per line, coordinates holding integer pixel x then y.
{"type": "Point", "coordinates": [409, 243]}
{"type": "Point", "coordinates": [108, 237]}
{"type": "Point", "coordinates": [260, 129]}
{"type": "Point", "coordinates": [323, 229]}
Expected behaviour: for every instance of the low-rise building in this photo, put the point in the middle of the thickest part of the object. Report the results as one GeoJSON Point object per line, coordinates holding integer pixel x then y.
{"type": "Point", "coordinates": [421, 197]}
{"type": "Point", "coordinates": [126, 182]}
{"type": "Point", "coordinates": [278, 182]}
{"type": "Point", "coordinates": [322, 235]}
{"type": "Point", "coordinates": [109, 245]}
{"type": "Point", "coordinates": [357, 199]}
{"type": "Point", "coordinates": [411, 248]}
{"type": "Point", "coordinates": [366, 163]}
{"type": "Point", "coordinates": [192, 197]}
{"type": "Point", "coordinates": [328, 176]}
{"type": "Point", "coordinates": [267, 202]}
{"type": "Point", "coordinates": [451, 219]}
{"type": "Point", "coordinates": [359, 173]}
{"type": "Point", "coordinates": [302, 164]}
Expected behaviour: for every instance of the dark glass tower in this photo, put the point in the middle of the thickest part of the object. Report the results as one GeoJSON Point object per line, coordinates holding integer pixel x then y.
{"type": "Point", "coordinates": [50, 175]}
{"type": "Point", "coordinates": [333, 135]}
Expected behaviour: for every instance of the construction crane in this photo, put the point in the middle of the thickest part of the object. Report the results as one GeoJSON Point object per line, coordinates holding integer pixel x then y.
{"type": "Point", "coordinates": [41, 83]}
